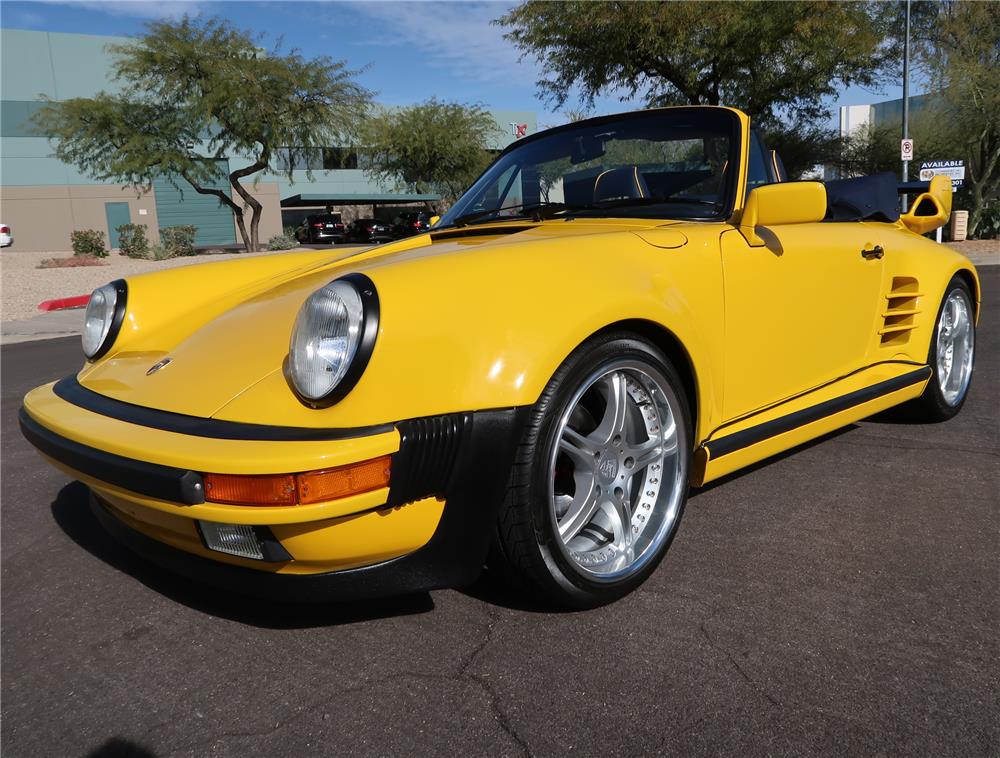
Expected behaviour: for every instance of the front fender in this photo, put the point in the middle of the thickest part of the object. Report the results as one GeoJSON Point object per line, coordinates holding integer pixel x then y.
{"type": "Point", "coordinates": [488, 328]}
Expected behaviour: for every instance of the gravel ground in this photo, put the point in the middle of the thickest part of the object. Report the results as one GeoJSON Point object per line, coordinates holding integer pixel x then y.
{"type": "Point", "coordinates": [25, 285]}
{"type": "Point", "coordinates": [980, 252]}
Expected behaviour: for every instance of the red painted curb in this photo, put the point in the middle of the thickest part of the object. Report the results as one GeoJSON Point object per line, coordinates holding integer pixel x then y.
{"type": "Point", "coordinates": [64, 302]}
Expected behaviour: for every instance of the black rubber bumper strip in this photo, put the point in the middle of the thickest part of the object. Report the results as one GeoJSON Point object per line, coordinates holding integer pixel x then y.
{"type": "Point", "coordinates": [753, 435]}
{"type": "Point", "coordinates": [453, 557]}
{"type": "Point", "coordinates": [70, 390]}
{"type": "Point", "coordinates": [160, 482]}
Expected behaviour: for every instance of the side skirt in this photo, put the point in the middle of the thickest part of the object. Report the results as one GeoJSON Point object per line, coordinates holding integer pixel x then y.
{"type": "Point", "coordinates": [805, 418]}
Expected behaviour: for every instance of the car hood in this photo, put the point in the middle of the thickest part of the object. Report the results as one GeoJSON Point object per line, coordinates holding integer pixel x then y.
{"type": "Point", "coordinates": [216, 360]}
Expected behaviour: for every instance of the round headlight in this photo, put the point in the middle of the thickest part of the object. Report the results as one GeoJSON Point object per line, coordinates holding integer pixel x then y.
{"type": "Point", "coordinates": [103, 320]}
{"type": "Point", "coordinates": [333, 338]}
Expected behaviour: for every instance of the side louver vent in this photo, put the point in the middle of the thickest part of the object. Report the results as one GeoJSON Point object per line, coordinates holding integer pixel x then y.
{"type": "Point", "coordinates": [901, 310]}
{"type": "Point", "coordinates": [427, 451]}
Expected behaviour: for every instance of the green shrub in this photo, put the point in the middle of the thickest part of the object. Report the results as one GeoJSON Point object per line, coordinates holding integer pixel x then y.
{"type": "Point", "coordinates": [989, 221]}
{"type": "Point", "coordinates": [88, 242]}
{"type": "Point", "coordinates": [179, 240]}
{"type": "Point", "coordinates": [160, 253]}
{"type": "Point", "coordinates": [289, 231]}
{"type": "Point", "coordinates": [282, 242]}
{"type": "Point", "coordinates": [132, 240]}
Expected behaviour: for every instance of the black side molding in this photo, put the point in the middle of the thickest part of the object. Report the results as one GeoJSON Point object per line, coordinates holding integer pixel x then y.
{"type": "Point", "coordinates": [160, 482]}
{"type": "Point", "coordinates": [753, 435]}
{"type": "Point", "coordinates": [70, 390]}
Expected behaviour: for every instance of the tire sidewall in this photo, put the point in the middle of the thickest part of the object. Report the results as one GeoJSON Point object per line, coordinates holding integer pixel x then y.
{"type": "Point", "coordinates": [592, 357]}
{"type": "Point", "coordinates": [933, 391]}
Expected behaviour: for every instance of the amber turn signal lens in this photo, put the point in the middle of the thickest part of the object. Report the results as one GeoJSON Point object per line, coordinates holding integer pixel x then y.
{"type": "Point", "coordinates": [330, 484]}
{"type": "Point", "coordinates": [250, 490]}
{"type": "Point", "coordinates": [305, 488]}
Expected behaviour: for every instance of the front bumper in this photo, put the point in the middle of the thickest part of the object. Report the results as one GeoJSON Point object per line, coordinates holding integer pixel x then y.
{"type": "Point", "coordinates": [430, 528]}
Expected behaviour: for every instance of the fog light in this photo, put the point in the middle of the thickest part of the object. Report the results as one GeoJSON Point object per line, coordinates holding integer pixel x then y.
{"type": "Point", "coordinates": [233, 539]}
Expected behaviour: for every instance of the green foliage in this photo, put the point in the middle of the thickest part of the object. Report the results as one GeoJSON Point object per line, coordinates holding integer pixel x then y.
{"type": "Point", "coordinates": [289, 231]}
{"type": "Point", "coordinates": [195, 91]}
{"type": "Point", "coordinates": [872, 149]}
{"type": "Point", "coordinates": [962, 54]}
{"type": "Point", "coordinates": [159, 252]}
{"type": "Point", "coordinates": [802, 146]}
{"type": "Point", "coordinates": [988, 227]}
{"type": "Point", "coordinates": [433, 147]}
{"type": "Point", "coordinates": [179, 240]}
{"type": "Point", "coordinates": [89, 242]}
{"type": "Point", "coordinates": [132, 240]}
{"type": "Point", "coordinates": [283, 241]}
{"type": "Point", "coordinates": [768, 58]}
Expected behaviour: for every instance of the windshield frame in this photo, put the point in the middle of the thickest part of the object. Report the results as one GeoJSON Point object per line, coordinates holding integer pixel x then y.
{"type": "Point", "coordinates": [728, 196]}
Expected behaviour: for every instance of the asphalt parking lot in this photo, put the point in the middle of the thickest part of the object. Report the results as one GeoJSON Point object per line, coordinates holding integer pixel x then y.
{"type": "Point", "coordinates": [841, 599]}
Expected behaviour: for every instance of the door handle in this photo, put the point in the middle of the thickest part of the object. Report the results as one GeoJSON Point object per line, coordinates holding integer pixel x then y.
{"type": "Point", "coordinates": [876, 252]}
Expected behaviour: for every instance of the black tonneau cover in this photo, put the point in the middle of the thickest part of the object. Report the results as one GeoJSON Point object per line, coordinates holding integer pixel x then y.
{"type": "Point", "coordinates": [866, 198]}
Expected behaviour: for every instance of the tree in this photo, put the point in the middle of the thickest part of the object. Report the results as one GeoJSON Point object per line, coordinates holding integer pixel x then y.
{"type": "Point", "coordinates": [770, 59]}
{"type": "Point", "coordinates": [431, 147]}
{"type": "Point", "coordinates": [874, 148]}
{"type": "Point", "coordinates": [195, 93]}
{"type": "Point", "coordinates": [962, 55]}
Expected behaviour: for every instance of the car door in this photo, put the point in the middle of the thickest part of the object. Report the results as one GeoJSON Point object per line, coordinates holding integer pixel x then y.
{"type": "Point", "coordinates": [800, 311]}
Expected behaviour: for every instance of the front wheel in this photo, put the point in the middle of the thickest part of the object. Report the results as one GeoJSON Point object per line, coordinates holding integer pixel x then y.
{"type": "Point", "coordinates": [600, 478]}
{"type": "Point", "coordinates": [951, 357]}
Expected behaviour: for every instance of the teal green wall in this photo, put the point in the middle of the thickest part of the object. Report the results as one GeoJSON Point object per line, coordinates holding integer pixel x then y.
{"type": "Point", "coordinates": [116, 215]}
{"type": "Point", "coordinates": [36, 65]}
{"type": "Point", "coordinates": [179, 207]}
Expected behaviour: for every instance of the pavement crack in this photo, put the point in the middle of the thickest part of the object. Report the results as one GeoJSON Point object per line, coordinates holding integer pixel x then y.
{"type": "Point", "coordinates": [732, 659]}
{"type": "Point", "coordinates": [482, 681]}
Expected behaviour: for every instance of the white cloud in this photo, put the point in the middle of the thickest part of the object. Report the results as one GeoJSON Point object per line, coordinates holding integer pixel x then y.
{"type": "Point", "coordinates": [457, 37]}
{"type": "Point", "coordinates": [143, 9]}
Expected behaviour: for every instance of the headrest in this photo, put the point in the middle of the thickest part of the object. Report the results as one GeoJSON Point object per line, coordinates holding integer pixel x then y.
{"type": "Point", "coordinates": [620, 183]}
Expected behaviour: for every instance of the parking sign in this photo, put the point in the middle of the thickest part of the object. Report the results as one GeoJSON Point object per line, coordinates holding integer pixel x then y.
{"type": "Point", "coordinates": [906, 149]}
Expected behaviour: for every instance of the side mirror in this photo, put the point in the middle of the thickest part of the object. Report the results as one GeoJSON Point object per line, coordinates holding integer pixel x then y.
{"type": "Point", "coordinates": [433, 220]}
{"type": "Point", "coordinates": [932, 209]}
{"type": "Point", "coordinates": [783, 203]}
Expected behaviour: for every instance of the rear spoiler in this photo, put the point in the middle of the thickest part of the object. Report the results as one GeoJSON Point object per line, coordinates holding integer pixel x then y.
{"type": "Point", "coordinates": [932, 208]}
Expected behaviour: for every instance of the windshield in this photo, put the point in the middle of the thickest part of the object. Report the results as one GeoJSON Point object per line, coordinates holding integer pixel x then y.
{"type": "Point", "coordinates": [668, 163]}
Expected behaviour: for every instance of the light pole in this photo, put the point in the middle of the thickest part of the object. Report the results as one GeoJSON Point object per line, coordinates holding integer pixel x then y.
{"type": "Point", "coordinates": [906, 96]}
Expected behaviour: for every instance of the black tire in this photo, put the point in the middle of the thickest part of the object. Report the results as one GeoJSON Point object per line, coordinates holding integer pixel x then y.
{"type": "Point", "coordinates": [931, 406]}
{"type": "Point", "coordinates": [527, 549]}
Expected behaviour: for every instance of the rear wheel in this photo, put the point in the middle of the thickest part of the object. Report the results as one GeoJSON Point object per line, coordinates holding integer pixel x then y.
{"type": "Point", "coordinates": [951, 357]}
{"type": "Point", "coordinates": [600, 480]}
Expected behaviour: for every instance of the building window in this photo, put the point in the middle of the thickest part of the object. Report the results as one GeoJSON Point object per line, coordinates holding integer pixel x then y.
{"type": "Point", "coordinates": [318, 158]}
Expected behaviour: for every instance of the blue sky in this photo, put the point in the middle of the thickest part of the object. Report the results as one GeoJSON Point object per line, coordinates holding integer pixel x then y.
{"type": "Point", "coordinates": [410, 50]}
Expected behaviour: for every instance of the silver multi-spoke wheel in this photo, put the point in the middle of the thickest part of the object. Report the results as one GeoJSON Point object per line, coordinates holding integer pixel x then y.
{"type": "Point", "coordinates": [617, 471]}
{"type": "Point", "coordinates": [956, 343]}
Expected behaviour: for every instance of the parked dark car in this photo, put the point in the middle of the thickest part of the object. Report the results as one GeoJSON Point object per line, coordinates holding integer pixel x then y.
{"type": "Point", "coordinates": [368, 230]}
{"type": "Point", "coordinates": [321, 227]}
{"type": "Point", "coordinates": [410, 223]}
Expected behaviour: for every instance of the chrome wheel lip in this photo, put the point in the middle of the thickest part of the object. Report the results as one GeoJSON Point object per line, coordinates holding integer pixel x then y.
{"type": "Point", "coordinates": [956, 345]}
{"type": "Point", "coordinates": [661, 515]}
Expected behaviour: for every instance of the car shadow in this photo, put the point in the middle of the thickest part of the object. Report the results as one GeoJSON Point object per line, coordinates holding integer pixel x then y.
{"type": "Point", "coordinates": [71, 511]}
{"type": "Point", "coordinates": [119, 747]}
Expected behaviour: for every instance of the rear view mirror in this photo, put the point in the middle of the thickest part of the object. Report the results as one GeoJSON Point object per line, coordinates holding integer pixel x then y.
{"type": "Point", "coordinates": [433, 220]}
{"type": "Point", "coordinates": [932, 209]}
{"type": "Point", "coordinates": [586, 147]}
{"type": "Point", "coordinates": [783, 203]}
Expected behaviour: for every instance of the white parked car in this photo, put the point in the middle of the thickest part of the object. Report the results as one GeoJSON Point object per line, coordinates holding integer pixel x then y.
{"type": "Point", "coordinates": [6, 238]}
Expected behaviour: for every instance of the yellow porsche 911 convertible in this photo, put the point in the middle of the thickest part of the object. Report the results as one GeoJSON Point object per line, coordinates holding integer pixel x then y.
{"type": "Point", "coordinates": [618, 309]}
